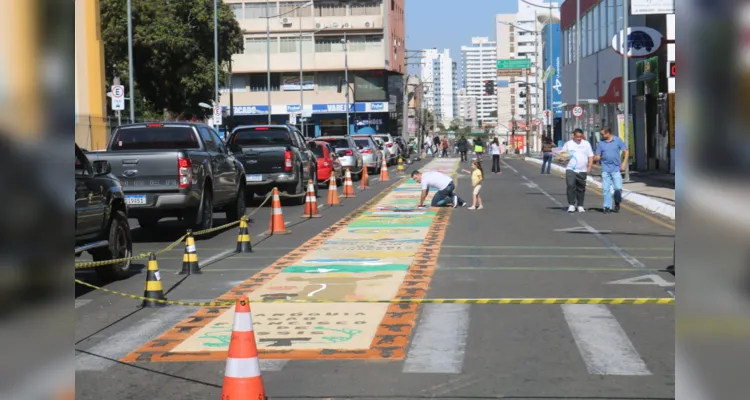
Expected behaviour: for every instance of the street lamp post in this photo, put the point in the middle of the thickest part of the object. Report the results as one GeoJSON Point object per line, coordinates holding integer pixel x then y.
{"type": "Point", "coordinates": [268, 61]}
{"type": "Point", "coordinates": [625, 83]}
{"type": "Point", "coordinates": [130, 62]}
{"type": "Point", "coordinates": [216, 52]}
{"type": "Point", "coordinates": [346, 78]}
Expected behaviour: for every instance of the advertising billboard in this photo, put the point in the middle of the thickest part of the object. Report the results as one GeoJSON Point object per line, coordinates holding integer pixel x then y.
{"type": "Point", "coordinates": [553, 82]}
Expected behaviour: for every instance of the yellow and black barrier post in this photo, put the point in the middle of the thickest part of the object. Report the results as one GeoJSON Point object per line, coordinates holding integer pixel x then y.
{"type": "Point", "coordinates": [190, 258]}
{"type": "Point", "coordinates": [244, 245]}
{"type": "Point", "coordinates": [154, 290]}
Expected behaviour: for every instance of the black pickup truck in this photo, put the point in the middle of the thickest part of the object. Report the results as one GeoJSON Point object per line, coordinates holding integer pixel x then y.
{"type": "Point", "coordinates": [175, 169]}
{"type": "Point", "coordinates": [274, 156]}
{"type": "Point", "coordinates": [101, 217]}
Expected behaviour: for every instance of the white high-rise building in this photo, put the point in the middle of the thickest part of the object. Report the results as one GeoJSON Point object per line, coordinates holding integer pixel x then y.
{"type": "Point", "coordinates": [479, 61]}
{"type": "Point", "coordinates": [438, 71]}
{"type": "Point", "coordinates": [467, 108]}
{"type": "Point", "coordinates": [517, 36]}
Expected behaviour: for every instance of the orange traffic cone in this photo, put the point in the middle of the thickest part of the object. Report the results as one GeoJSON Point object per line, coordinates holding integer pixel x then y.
{"type": "Point", "coordinates": [311, 202]}
{"type": "Point", "coordinates": [384, 172]}
{"type": "Point", "coordinates": [242, 378]}
{"type": "Point", "coordinates": [348, 187]}
{"type": "Point", "coordinates": [277, 226]}
{"type": "Point", "coordinates": [365, 179]}
{"type": "Point", "coordinates": [333, 192]}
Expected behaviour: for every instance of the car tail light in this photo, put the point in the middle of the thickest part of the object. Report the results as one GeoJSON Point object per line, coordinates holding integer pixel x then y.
{"type": "Point", "coordinates": [348, 153]}
{"type": "Point", "coordinates": [154, 125]}
{"type": "Point", "coordinates": [389, 145]}
{"type": "Point", "coordinates": [366, 151]}
{"type": "Point", "coordinates": [287, 161]}
{"type": "Point", "coordinates": [184, 172]}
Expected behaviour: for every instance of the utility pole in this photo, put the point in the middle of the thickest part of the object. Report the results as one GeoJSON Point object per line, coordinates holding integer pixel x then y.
{"type": "Point", "coordinates": [625, 84]}
{"type": "Point", "coordinates": [130, 62]}
{"type": "Point", "coordinates": [528, 117]}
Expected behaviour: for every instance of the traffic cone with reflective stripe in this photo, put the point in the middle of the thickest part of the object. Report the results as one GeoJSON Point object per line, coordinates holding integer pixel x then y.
{"type": "Point", "coordinates": [311, 202]}
{"type": "Point", "coordinates": [365, 179]}
{"type": "Point", "coordinates": [190, 258]}
{"type": "Point", "coordinates": [348, 187]}
{"type": "Point", "coordinates": [242, 379]}
{"type": "Point", "coordinates": [277, 226]}
{"type": "Point", "coordinates": [384, 172]}
{"type": "Point", "coordinates": [154, 290]}
{"type": "Point", "coordinates": [243, 237]}
{"type": "Point", "coordinates": [333, 192]}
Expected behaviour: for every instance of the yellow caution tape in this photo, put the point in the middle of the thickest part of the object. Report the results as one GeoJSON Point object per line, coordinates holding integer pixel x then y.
{"type": "Point", "coordinates": [582, 300]}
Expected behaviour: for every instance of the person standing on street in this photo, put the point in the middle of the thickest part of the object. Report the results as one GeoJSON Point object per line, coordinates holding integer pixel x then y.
{"type": "Point", "coordinates": [608, 154]}
{"type": "Point", "coordinates": [580, 161]}
{"type": "Point", "coordinates": [440, 182]}
{"type": "Point", "coordinates": [445, 145]}
{"type": "Point", "coordinates": [547, 146]}
{"type": "Point", "coordinates": [495, 151]}
{"type": "Point", "coordinates": [463, 147]}
{"type": "Point", "coordinates": [436, 145]}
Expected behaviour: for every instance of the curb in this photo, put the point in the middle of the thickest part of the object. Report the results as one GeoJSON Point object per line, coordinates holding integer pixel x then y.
{"type": "Point", "coordinates": [655, 206]}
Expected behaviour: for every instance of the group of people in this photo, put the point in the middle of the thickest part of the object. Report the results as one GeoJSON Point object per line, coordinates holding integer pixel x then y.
{"type": "Point", "coordinates": [578, 153]}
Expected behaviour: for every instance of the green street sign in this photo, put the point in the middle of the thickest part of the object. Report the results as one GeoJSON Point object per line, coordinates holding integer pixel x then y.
{"type": "Point", "coordinates": [518, 63]}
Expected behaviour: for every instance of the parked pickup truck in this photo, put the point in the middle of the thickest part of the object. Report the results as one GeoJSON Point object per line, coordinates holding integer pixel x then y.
{"type": "Point", "coordinates": [175, 169]}
{"type": "Point", "coordinates": [274, 156]}
{"type": "Point", "coordinates": [101, 216]}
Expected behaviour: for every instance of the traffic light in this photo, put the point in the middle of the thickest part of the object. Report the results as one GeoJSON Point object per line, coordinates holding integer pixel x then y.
{"type": "Point", "coordinates": [489, 88]}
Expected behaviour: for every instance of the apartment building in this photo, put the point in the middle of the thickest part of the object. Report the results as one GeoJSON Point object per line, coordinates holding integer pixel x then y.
{"type": "Point", "coordinates": [479, 63]}
{"type": "Point", "coordinates": [467, 108]}
{"type": "Point", "coordinates": [519, 35]}
{"type": "Point", "coordinates": [438, 71]}
{"type": "Point", "coordinates": [324, 40]}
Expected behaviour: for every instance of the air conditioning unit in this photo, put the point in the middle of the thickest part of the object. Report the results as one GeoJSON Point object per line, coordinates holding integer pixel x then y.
{"type": "Point", "coordinates": [369, 24]}
{"type": "Point", "coordinates": [318, 25]}
{"type": "Point", "coordinates": [345, 25]}
{"type": "Point", "coordinates": [286, 21]}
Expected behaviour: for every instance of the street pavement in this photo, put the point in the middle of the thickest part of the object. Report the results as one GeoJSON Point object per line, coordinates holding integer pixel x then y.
{"type": "Point", "coordinates": [521, 245]}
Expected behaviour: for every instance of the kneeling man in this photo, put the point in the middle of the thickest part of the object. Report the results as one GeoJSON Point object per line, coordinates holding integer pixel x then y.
{"type": "Point", "coordinates": [444, 186]}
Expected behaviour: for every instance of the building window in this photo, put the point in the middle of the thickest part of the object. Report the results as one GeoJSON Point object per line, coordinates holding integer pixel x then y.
{"type": "Point", "coordinates": [611, 18]}
{"type": "Point", "coordinates": [603, 38]}
{"type": "Point", "coordinates": [619, 16]}
{"type": "Point", "coordinates": [237, 8]}
{"type": "Point", "coordinates": [330, 9]}
{"type": "Point", "coordinates": [258, 10]}
{"type": "Point", "coordinates": [365, 8]}
{"type": "Point", "coordinates": [329, 44]}
{"type": "Point", "coordinates": [291, 44]}
{"type": "Point", "coordinates": [595, 29]}
{"type": "Point", "coordinates": [366, 43]}
{"type": "Point", "coordinates": [293, 9]}
{"type": "Point", "coordinates": [256, 45]}
{"type": "Point", "coordinates": [258, 82]}
{"type": "Point", "coordinates": [328, 81]}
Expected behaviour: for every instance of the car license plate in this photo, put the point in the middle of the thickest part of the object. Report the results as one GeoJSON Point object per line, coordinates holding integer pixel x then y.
{"type": "Point", "coordinates": [141, 199]}
{"type": "Point", "coordinates": [254, 178]}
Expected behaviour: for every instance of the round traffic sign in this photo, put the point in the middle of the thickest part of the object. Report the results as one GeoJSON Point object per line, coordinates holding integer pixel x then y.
{"type": "Point", "coordinates": [217, 111]}
{"type": "Point", "coordinates": [537, 121]}
{"type": "Point", "coordinates": [118, 91]}
{"type": "Point", "coordinates": [547, 113]}
{"type": "Point", "coordinates": [577, 111]}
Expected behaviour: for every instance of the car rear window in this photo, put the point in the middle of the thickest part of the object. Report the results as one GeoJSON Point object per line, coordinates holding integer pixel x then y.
{"type": "Point", "coordinates": [155, 138]}
{"type": "Point", "coordinates": [261, 136]}
{"type": "Point", "coordinates": [364, 143]}
{"type": "Point", "coordinates": [317, 149]}
{"type": "Point", "coordinates": [385, 139]}
{"type": "Point", "coordinates": [337, 143]}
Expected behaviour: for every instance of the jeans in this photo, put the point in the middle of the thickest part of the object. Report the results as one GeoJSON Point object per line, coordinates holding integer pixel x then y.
{"type": "Point", "coordinates": [445, 196]}
{"type": "Point", "coordinates": [445, 153]}
{"type": "Point", "coordinates": [576, 183]}
{"type": "Point", "coordinates": [463, 155]}
{"type": "Point", "coordinates": [547, 160]}
{"type": "Point", "coordinates": [610, 179]}
{"type": "Point", "coordinates": [496, 163]}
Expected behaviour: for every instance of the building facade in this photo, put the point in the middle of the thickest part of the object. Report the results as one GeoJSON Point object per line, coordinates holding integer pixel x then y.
{"type": "Point", "coordinates": [479, 64]}
{"type": "Point", "coordinates": [326, 41]}
{"type": "Point", "coordinates": [466, 107]}
{"type": "Point", "coordinates": [439, 69]}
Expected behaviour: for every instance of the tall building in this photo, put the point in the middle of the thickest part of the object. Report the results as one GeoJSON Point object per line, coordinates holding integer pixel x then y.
{"type": "Point", "coordinates": [479, 65]}
{"type": "Point", "coordinates": [467, 108]}
{"type": "Point", "coordinates": [365, 39]}
{"type": "Point", "coordinates": [519, 36]}
{"type": "Point", "coordinates": [438, 71]}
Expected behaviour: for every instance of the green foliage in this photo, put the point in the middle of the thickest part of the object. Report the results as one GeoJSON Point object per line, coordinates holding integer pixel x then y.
{"type": "Point", "coordinates": [173, 51]}
{"type": "Point", "coordinates": [455, 125]}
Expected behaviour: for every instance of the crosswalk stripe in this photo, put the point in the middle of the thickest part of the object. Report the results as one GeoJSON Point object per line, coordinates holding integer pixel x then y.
{"type": "Point", "coordinates": [440, 341]}
{"type": "Point", "coordinates": [604, 346]}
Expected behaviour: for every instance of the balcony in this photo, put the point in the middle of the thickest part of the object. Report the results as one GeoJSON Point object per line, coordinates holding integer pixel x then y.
{"type": "Point", "coordinates": [329, 61]}
{"type": "Point", "coordinates": [292, 24]}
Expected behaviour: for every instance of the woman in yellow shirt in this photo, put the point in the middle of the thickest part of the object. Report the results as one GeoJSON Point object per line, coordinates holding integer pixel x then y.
{"type": "Point", "coordinates": [477, 177]}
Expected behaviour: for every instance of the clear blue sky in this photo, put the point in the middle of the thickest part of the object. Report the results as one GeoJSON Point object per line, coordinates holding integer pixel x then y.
{"type": "Point", "coordinates": [450, 24]}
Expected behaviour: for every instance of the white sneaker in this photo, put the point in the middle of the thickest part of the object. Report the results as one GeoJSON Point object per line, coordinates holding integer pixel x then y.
{"type": "Point", "coordinates": [581, 209]}
{"type": "Point", "coordinates": [571, 209]}
{"type": "Point", "coordinates": [455, 201]}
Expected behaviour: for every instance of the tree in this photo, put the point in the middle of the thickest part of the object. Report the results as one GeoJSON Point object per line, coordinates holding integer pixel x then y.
{"type": "Point", "coordinates": [441, 127]}
{"type": "Point", "coordinates": [173, 51]}
{"type": "Point", "coordinates": [455, 124]}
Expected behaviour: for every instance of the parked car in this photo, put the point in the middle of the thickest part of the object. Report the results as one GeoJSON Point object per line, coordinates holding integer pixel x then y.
{"type": "Point", "coordinates": [347, 152]}
{"type": "Point", "coordinates": [371, 152]}
{"type": "Point", "coordinates": [274, 156]}
{"type": "Point", "coordinates": [328, 161]}
{"type": "Point", "coordinates": [175, 169]}
{"type": "Point", "coordinates": [392, 150]}
{"type": "Point", "coordinates": [101, 216]}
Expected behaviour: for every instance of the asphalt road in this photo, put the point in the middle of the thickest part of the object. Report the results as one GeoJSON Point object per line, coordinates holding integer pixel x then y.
{"type": "Point", "coordinates": [522, 244]}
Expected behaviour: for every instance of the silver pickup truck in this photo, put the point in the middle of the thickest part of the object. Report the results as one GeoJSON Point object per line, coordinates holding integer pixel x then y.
{"type": "Point", "coordinates": [175, 169]}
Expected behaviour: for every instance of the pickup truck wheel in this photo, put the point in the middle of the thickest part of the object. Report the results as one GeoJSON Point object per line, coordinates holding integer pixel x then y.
{"type": "Point", "coordinates": [236, 209]}
{"type": "Point", "coordinates": [298, 188]}
{"type": "Point", "coordinates": [120, 246]}
{"type": "Point", "coordinates": [206, 214]}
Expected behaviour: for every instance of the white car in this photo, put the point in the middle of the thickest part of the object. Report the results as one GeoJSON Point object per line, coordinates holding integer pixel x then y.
{"type": "Point", "coordinates": [392, 149]}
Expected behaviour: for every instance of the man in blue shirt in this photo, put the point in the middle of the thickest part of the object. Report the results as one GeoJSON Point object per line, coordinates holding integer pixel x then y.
{"type": "Point", "coordinates": [608, 154]}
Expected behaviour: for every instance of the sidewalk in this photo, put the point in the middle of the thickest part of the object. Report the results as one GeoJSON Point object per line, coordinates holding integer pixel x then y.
{"type": "Point", "coordinates": [651, 189]}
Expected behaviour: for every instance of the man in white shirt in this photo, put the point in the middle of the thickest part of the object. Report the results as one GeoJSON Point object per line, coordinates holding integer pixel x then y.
{"type": "Point", "coordinates": [580, 161]}
{"type": "Point", "coordinates": [440, 182]}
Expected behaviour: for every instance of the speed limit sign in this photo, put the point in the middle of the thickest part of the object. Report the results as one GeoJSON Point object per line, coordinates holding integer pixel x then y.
{"type": "Point", "coordinates": [577, 111]}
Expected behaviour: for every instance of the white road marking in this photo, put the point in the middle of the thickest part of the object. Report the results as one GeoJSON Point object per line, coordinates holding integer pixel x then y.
{"type": "Point", "coordinates": [260, 235]}
{"type": "Point", "coordinates": [580, 229]}
{"type": "Point", "coordinates": [604, 346]}
{"type": "Point", "coordinates": [440, 341]}
{"type": "Point", "coordinates": [123, 342]}
{"type": "Point", "coordinates": [651, 279]}
{"type": "Point", "coordinates": [82, 302]}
